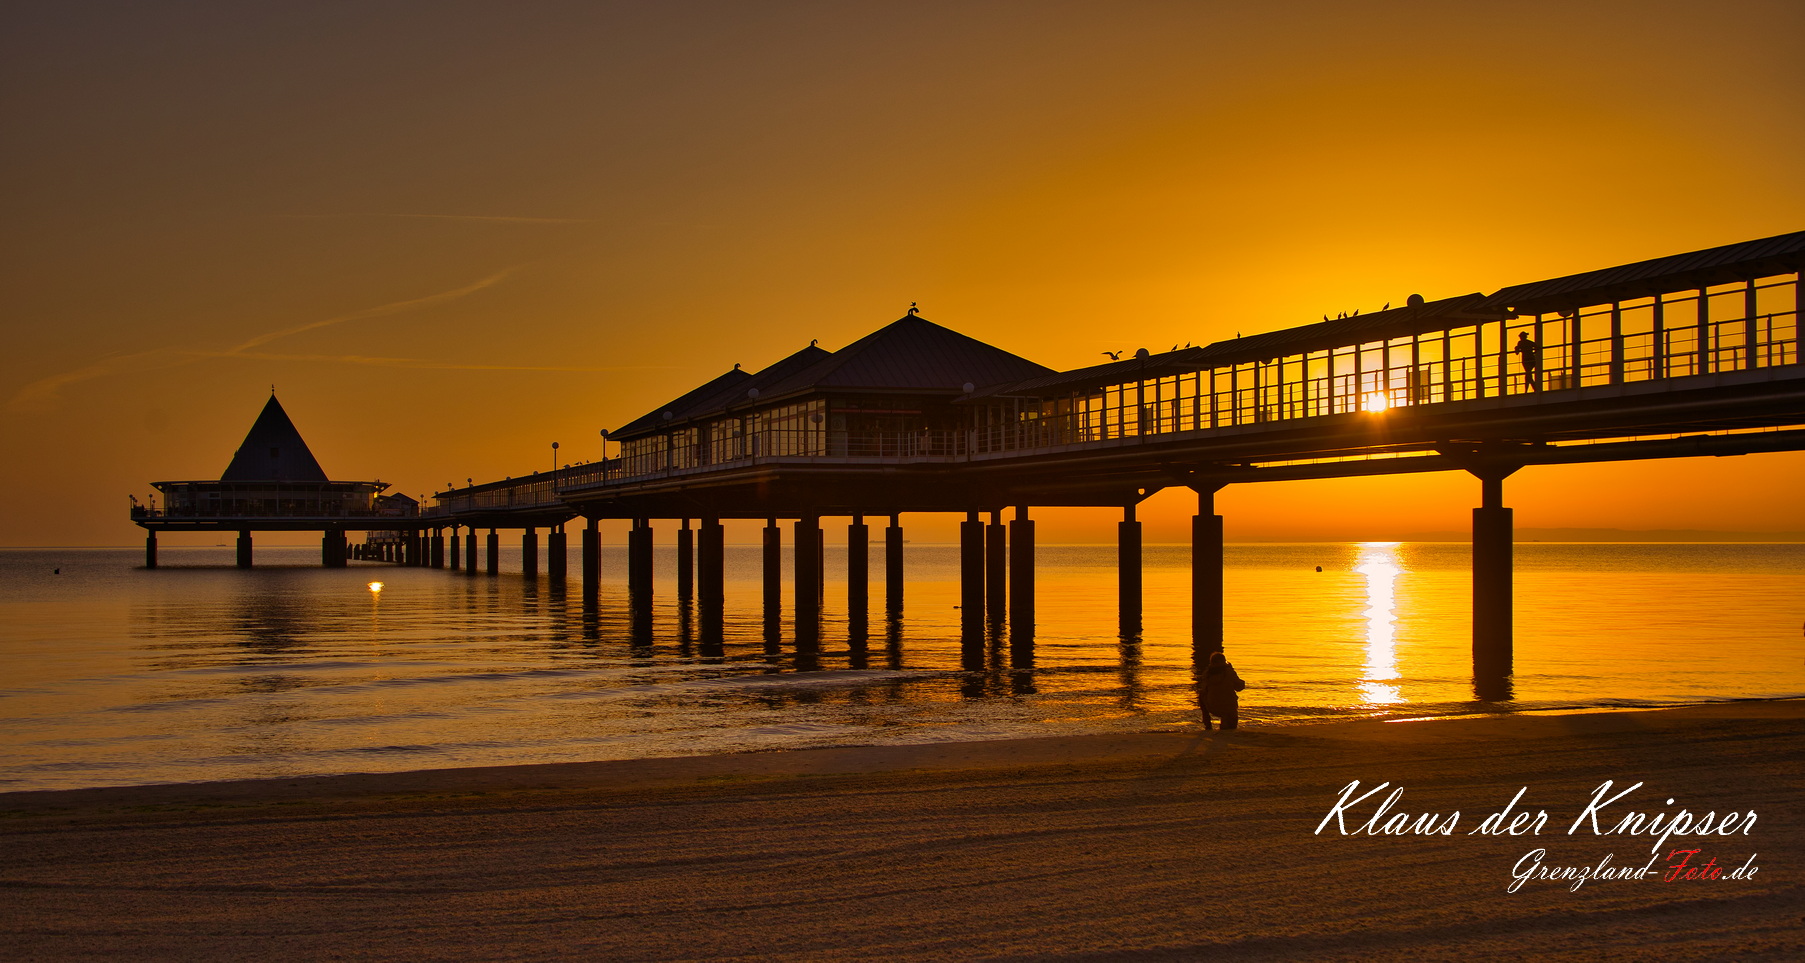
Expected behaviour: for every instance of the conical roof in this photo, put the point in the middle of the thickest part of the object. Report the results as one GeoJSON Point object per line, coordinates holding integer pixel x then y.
{"type": "Point", "coordinates": [273, 451]}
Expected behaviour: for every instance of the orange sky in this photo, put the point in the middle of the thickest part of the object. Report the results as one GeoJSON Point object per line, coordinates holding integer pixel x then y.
{"type": "Point", "coordinates": [454, 233]}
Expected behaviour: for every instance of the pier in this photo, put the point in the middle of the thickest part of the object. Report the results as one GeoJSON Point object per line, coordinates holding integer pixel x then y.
{"type": "Point", "coordinates": [1687, 355]}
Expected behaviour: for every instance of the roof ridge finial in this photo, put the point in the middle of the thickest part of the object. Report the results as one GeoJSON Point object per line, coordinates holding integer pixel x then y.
{"type": "Point", "coordinates": [913, 310]}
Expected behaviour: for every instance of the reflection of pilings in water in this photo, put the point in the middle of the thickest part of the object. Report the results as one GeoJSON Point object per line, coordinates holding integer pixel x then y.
{"type": "Point", "coordinates": [893, 646]}
{"type": "Point", "coordinates": [592, 615]}
{"type": "Point", "coordinates": [1493, 688]}
{"type": "Point", "coordinates": [1128, 654]}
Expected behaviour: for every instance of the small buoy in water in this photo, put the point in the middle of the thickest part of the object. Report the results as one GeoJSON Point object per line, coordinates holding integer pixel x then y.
{"type": "Point", "coordinates": [56, 571]}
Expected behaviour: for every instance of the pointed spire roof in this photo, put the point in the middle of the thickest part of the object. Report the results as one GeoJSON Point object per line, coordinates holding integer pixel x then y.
{"type": "Point", "coordinates": [273, 451]}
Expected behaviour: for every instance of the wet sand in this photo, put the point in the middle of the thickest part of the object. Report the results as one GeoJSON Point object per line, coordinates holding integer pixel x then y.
{"type": "Point", "coordinates": [1164, 845]}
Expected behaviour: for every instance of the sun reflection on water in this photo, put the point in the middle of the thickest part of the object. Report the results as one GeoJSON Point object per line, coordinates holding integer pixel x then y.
{"type": "Point", "coordinates": [1379, 677]}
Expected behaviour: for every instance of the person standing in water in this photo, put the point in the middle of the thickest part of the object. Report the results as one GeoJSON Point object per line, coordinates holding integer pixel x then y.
{"type": "Point", "coordinates": [1221, 685]}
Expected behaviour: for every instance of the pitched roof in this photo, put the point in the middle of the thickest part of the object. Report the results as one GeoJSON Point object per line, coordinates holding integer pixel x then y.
{"type": "Point", "coordinates": [1780, 254]}
{"type": "Point", "coordinates": [681, 406]}
{"type": "Point", "coordinates": [702, 403]}
{"type": "Point", "coordinates": [273, 451]}
{"type": "Point", "coordinates": [911, 353]}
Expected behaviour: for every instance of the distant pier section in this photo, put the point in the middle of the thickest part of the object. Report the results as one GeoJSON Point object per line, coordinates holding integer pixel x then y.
{"type": "Point", "coordinates": [274, 484]}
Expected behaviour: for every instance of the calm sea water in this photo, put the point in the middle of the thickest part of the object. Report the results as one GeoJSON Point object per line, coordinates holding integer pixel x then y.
{"type": "Point", "coordinates": [116, 675]}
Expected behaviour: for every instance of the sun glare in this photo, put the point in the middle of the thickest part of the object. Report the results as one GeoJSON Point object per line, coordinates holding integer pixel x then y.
{"type": "Point", "coordinates": [1377, 401]}
{"type": "Point", "coordinates": [375, 586]}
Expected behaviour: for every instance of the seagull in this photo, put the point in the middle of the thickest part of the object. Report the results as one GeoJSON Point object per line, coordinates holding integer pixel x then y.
{"type": "Point", "coordinates": [1356, 312]}
{"type": "Point", "coordinates": [1387, 306]}
{"type": "Point", "coordinates": [1114, 355]}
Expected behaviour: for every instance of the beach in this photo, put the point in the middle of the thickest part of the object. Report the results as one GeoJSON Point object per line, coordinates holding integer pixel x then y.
{"type": "Point", "coordinates": [1175, 844]}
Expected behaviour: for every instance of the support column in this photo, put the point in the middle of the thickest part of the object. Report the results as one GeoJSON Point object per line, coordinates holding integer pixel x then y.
{"type": "Point", "coordinates": [529, 552]}
{"type": "Point", "coordinates": [858, 569]}
{"type": "Point", "coordinates": [1128, 571]}
{"type": "Point", "coordinates": [971, 576]}
{"type": "Point", "coordinates": [996, 568]}
{"type": "Point", "coordinates": [438, 548]}
{"type": "Point", "coordinates": [244, 549]}
{"type": "Point", "coordinates": [455, 555]}
{"type": "Point", "coordinates": [494, 547]}
{"type": "Point", "coordinates": [1021, 576]}
{"type": "Point", "coordinates": [711, 576]}
{"type": "Point", "coordinates": [470, 553]}
{"type": "Point", "coordinates": [592, 557]}
{"type": "Point", "coordinates": [557, 557]}
{"type": "Point", "coordinates": [332, 548]}
{"type": "Point", "coordinates": [150, 548]}
{"type": "Point", "coordinates": [686, 562]}
{"type": "Point", "coordinates": [1206, 575]}
{"type": "Point", "coordinates": [1492, 574]}
{"type": "Point", "coordinates": [893, 566]}
{"type": "Point", "coordinates": [639, 565]}
{"type": "Point", "coordinates": [773, 573]}
{"type": "Point", "coordinates": [807, 559]}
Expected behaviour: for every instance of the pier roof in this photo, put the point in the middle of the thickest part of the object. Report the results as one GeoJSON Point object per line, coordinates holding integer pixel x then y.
{"type": "Point", "coordinates": [273, 450]}
{"type": "Point", "coordinates": [683, 405]}
{"type": "Point", "coordinates": [1780, 254]}
{"type": "Point", "coordinates": [720, 394]}
{"type": "Point", "coordinates": [911, 354]}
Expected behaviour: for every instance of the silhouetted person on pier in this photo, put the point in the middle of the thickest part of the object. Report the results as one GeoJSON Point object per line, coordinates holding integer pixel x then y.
{"type": "Point", "coordinates": [1530, 354]}
{"type": "Point", "coordinates": [1220, 687]}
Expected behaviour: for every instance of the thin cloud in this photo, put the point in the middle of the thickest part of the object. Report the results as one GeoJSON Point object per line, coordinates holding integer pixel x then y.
{"type": "Point", "coordinates": [495, 218]}
{"type": "Point", "coordinates": [432, 364]}
{"type": "Point", "coordinates": [43, 393]}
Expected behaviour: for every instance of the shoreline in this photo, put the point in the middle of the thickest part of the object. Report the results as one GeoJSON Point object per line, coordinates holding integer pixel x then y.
{"type": "Point", "coordinates": [512, 772]}
{"type": "Point", "coordinates": [1155, 845]}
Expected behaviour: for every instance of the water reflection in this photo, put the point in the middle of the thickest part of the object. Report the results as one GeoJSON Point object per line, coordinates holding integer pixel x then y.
{"type": "Point", "coordinates": [1380, 563]}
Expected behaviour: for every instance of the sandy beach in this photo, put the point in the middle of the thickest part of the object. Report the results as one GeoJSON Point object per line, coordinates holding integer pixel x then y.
{"type": "Point", "coordinates": [1162, 845]}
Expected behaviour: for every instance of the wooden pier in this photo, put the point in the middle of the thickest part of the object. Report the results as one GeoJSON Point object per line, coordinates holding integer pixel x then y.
{"type": "Point", "coordinates": [1692, 354]}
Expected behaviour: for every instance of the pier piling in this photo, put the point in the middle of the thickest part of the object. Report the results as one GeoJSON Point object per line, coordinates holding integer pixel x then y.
{"type": "Point", "coordinates": [1206, 574]}
{"type": "Point", "coordinates": [971, 576]}
{"type": "Point", "coordinates": [557, 559]}
{"type": "Point", "coordinates": [1021, 576]}
{"type": "Point", "coordinates": [996, 568]}
{"type": "Point", "coordinates": [858, 569]}
{"type": "Point", "coordinates": [1128, 571]}
{"type": "Point", "coordinates": [893, 566]}
{"type": "Point", "coordinates": [592, 557]}
{"type": "Point", "coordinates": [493, 565]}
{"type": "Point", "coordinates": [529, 552]}
{"type": "Point", "coordinates": [1492, 576]}
{"type": "Point", "coordinates": [150, 548]}
{"type": "Point", "coordinates": [244, 549]}
{"type": "Point", "coordinates": [773, 575]}
{"type": "Point", "coordinates": [807, 559]}
{"type": "Point", "coordinates": [686, 562]}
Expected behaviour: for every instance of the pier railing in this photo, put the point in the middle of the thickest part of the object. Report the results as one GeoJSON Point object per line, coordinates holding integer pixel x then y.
{"type": "Point", "coordinates": [1721, 329]}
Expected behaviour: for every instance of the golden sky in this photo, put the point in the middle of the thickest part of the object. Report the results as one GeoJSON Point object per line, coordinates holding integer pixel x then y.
{"type": "Point", "coordinates": [451, 234]}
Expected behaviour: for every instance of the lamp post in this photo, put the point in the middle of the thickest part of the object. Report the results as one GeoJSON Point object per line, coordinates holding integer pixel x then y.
{"type": "Point", "coordinates": [554, 458]}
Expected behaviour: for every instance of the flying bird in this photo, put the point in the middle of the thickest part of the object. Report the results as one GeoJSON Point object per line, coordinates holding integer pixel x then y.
{"type": "Point", "coordinates": [1114, 355]}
